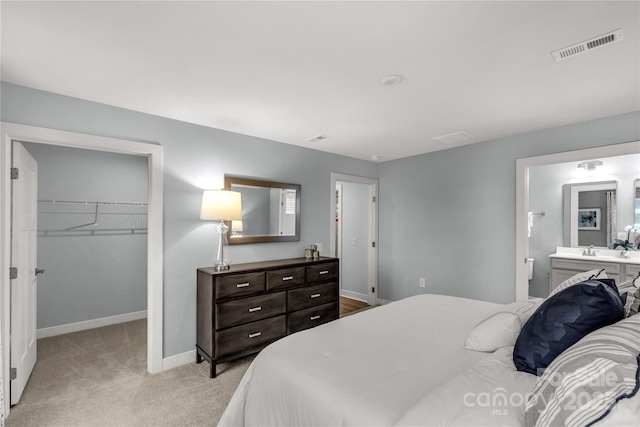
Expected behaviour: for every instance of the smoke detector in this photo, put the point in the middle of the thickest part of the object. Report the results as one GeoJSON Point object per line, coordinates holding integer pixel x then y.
{"type": "Point", "coordinates": [587, 45]}
{"type": "Point", "coordinates": [391, 80]}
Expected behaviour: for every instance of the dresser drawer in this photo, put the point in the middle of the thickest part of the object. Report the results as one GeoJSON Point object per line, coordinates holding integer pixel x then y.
{"type": "Point", "coordinates": [250, 309]}
{"type": "Point", "coordinates": [235, 285]}
{"type": "Point", "coordinates": [310, 317]}
{"type": "Point", "coordinates": [321, 272]}
{"type": "Point", "coordinates": [285, 277]}
{"type": "Point", "coordinates": [312, 295]}
{"type": "Point", "coordinates": [250, 335]}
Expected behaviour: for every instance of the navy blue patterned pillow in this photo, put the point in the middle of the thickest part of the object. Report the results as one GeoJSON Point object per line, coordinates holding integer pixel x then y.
{"type": "Point", "coordinates": [563, 319]}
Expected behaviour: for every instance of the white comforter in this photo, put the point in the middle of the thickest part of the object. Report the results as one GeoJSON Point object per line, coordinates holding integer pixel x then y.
{"type": "Point", "coordinates": [401, 364]}
{"type": "Point", "coordinates": [372, 368]}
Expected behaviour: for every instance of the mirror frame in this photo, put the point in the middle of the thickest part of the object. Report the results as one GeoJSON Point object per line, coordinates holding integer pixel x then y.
{"type": "Point", "coordinates": [254, 182]}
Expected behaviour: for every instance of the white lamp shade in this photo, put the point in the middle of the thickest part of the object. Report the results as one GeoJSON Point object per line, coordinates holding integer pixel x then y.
{"type": "Point", "coordinates": [236, 225]}
{"type": "Point", "coordinates": [221, 205]}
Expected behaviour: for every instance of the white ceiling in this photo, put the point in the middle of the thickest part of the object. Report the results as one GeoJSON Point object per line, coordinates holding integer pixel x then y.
{"type": "Point", "coordinates": [289, 71]}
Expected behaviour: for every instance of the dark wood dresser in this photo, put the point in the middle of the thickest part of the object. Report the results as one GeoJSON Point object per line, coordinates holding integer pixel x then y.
{"type": "Point", "coordinates": [243, 309]}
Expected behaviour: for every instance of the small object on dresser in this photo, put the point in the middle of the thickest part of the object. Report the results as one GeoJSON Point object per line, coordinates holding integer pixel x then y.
{"type": "Point", "coordinates": [308, 253]}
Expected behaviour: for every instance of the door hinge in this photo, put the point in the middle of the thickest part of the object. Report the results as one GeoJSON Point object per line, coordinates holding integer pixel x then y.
{"type": "Point", "coordinates": [373, 289]}
{"type": "Point", "coordinates": [13, 374]}
{"type": "Point", "coordinates": [373, 199]}
{"type": "Point", "coordinates": [13, 273]}
{"type": "Point", "coordinates": [373, 244]}
{"type": "Point", "coordinates": [14, 173]}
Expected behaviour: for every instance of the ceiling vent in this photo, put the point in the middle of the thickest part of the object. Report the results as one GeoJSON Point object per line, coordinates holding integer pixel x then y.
{"type": "Point", "coordinates": [587, 45]}
{"type": "Point", "coordinates": [453, 138]}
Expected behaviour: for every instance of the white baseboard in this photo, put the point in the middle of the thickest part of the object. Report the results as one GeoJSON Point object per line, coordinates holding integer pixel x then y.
{"type": "Point", "coordinates": [178, 360]}
{"type": "Point", "coordinates": [90, 324]}
{"type": "Point", "coordinates": [353, 295]}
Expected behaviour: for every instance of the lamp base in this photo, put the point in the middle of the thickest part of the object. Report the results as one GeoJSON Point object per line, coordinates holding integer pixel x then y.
{"type": "Point", "coordinates": [222, 260]}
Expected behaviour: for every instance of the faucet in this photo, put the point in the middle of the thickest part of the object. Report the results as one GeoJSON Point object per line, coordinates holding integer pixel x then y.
{"type": "Point", "coordinates": [590, 251]}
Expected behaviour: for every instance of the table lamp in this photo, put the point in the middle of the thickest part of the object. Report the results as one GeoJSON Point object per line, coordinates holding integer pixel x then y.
{"type": "Point", "coordinates": [221, 205]}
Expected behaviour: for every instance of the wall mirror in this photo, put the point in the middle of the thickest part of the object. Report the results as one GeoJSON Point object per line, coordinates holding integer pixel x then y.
{"type": "Point", "coordinates": [590, 212]}
{"type": "Point", "coordinates": [270, 211]}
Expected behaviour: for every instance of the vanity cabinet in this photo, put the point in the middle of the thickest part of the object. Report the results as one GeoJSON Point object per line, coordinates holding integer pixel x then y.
{"type": "Point", "coordinates": [245, 308]}
{"type": "Point", "coordinates": [563, 269]}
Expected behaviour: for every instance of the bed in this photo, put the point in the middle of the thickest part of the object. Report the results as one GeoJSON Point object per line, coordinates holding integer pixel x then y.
{"type": "Point", "coordinates": [411, 362]}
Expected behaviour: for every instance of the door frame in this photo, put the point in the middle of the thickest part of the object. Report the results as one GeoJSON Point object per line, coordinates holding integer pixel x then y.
{"type": "Point", "coordinates": [522, 198]}
{"type": "Point", "coordinates": [372, 270]}
{"type": "Point", "coordinates": [154, 153]}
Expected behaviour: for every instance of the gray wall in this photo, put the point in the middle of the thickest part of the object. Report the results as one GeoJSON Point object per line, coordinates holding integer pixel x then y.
{"type": "Point", "coordinates": [89, 276]}
{"type": "Point", "coordinates": [354, 226]}
{"type": "Point", "coordinates": [196, 158]}
{"type": "Point", "coordinates": [461, 206]}
{"type": "Point", "coordinates": [460, 203]}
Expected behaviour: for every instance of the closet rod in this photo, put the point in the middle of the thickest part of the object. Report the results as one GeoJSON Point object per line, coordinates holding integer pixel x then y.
{"type": "Point", "coordinates": [88, 202]}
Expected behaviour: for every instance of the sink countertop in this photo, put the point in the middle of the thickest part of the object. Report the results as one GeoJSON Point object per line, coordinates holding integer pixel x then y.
{"type": "Point", "coordinates": [602, 255]}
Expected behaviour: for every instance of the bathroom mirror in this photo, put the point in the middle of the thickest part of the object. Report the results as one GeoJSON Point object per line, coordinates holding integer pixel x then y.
{"type": "Point", "coordinates": [270, 211]}
{"type": "Point", "coordinates": [590, 213]}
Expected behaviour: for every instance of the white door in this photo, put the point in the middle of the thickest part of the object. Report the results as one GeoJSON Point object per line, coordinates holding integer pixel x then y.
{"type": "Point", "coordinates": [23, 257]}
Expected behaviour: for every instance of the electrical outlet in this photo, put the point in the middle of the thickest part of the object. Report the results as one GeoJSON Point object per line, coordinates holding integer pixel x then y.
{"type": "Point", "coordinates": [319, 246]}
{"type": "Point", "coordinates": [422, 282]}
{"type": "Point", "coordinates": [354, 242]}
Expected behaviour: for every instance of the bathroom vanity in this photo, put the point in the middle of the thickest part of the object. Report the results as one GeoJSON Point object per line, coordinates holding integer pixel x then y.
{"type": "Point", "coordinates": [567, 262]}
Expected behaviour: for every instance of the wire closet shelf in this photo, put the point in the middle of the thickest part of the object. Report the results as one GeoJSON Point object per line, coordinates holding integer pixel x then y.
{"type": "Point", "coordinates": [74, 217]}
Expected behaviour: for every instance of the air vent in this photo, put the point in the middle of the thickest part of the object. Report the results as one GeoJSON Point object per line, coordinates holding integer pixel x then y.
{"type": "Point", "coordinates": [587, 45]}
{"type": "Point", "coordinates": [454, 138]}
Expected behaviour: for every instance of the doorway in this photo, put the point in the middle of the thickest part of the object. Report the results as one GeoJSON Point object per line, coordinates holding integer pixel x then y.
{"type": "Point", "coordinates": [523, 208]}
{"type": "Point", "coordinates": [91, 238]}
{"type": "Point", "coordinates": [153, 153]}
{"type": "Point", "coordinates": [354, 231]}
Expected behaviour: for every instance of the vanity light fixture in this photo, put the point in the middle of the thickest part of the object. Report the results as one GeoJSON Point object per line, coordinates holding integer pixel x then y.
{"type": "Point", "coordinates": [221, 205]}
{"type": "Point", "coordinates": [591, 165]}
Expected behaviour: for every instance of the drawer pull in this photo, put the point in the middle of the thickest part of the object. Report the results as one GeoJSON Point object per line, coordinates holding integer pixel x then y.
{"type": "Point", "coordinates": [287, 278]}
{"type": "Point", "coordinates": [315, 295]}
{"type": "Point", "coordinates": [315, 317]}
{"type": "Point", "coordinates": [242, 285]}
{"type": "Point", "coordinates": [257, 334]}
{"type": "Point", "coordinates": [254, 309]}
{"type": "Point", "coordinates": [324, 272]}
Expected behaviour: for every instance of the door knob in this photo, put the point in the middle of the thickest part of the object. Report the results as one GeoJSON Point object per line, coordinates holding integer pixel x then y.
{"type": "Point", "coordinates": [39, 271]}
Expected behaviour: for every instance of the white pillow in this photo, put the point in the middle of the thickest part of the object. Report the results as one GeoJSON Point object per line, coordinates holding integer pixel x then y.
{"type": "Point", "coordinates": [501, 327]}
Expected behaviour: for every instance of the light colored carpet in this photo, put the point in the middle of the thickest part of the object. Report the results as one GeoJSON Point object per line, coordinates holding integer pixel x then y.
{"type": "Point", "coordinates": [98, 378]}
